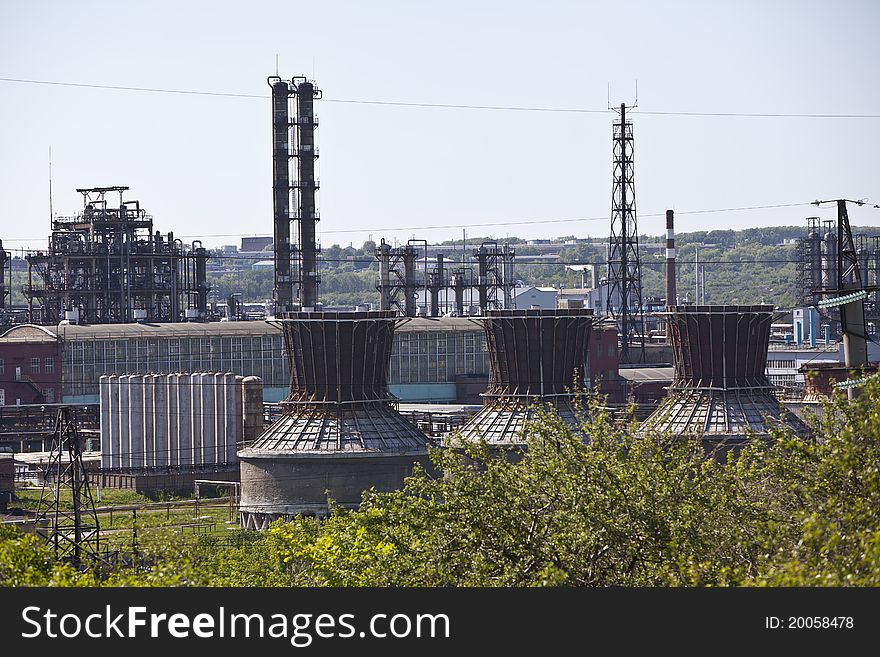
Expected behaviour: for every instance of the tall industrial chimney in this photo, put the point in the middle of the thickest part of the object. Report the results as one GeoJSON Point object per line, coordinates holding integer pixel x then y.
{"type": "Point", "coordinates": [283, 291]}
{"type": "Point", "coordinates": [670, 259]}
{"type": "Point", "coordinates": [305, 153]}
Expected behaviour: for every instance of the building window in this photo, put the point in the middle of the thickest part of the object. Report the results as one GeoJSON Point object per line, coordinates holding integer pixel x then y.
{"type": "Point", "coordinates": [2, 397]}
{"type": "Point", "coordinates": [50, 395]}
{"type": "Point", "coordinates": [49, 365]}
{"type": "Point", "coordinates": [35, 365]}
{"type": "Point", "coordinates": [2, 366]}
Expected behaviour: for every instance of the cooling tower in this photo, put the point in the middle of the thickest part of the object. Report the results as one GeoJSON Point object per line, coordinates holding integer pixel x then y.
{"type": "Point", "coordinates": [537, 361]}
{"type": "Point", "coordinates": [720, 392]}
{"type": "Point", "coordinates": [339, 434]}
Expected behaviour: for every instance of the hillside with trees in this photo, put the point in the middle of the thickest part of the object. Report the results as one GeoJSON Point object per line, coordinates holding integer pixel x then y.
{"type": "Point", "coordinates": [754, 265]}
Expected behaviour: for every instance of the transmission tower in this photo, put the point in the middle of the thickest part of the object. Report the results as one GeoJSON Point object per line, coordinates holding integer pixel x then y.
{"type": "Point", "coordinates": [624, 300]}
{"type": "Point", "coordinates": [73, 530]}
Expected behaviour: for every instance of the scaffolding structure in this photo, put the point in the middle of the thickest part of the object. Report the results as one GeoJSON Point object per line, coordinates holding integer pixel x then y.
{"type": "Point", "coordinates": [467, 289]}
{"type": "Point", "coordinates": [106, 265]}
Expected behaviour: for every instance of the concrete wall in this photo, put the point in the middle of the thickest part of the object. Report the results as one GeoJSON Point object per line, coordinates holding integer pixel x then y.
{"type": "Point", "coordinates": [170, 480]}
{"type": "Point", "coordinates": [277, 487]}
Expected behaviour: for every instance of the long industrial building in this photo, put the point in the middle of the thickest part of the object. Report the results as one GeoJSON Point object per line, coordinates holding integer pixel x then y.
{"type": "Point", "coordinates": [434, 360]}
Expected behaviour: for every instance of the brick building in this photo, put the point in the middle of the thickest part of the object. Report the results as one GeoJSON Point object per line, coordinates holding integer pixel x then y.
{"type": "Point", "coordinates": [30, 366]}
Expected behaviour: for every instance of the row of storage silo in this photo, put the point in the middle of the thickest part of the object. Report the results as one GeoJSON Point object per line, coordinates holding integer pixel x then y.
{"type": "Point", "coordinates": [162, 420]}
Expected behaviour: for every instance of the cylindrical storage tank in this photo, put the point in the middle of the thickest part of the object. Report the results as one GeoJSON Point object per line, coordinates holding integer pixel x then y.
{"type": "Point", "coordinates": [814, 242]}
{"type": "Point", "coordinates": [173, 418]}
{"type": "Point", "coordinates": [104, 397]}
{"type": "Point", "coordinates": [149, 420]}
{"type": "Point", "coordinates": [252, 411]}
{"type": "Point", "coordinates": [196, 418]}
{"type": "Point", "coordinates": [160, 423]}
{"type": "Point", "coordinates": [829, 262]}
{"type": "Point", "coordinates": [232, 419]}
{"type": "Point", "coordinates": [209, 417]}
{"type": "Point", "coordinates": [185, 385]}
{"type": "Point", "coordinates": [135, 385]}
{"type": "Point", "coordinates": [220, 417]}
{"type": "Point", "coordinates": [339, 434]}
{"type": "Point", "coordinates": [118, 419]}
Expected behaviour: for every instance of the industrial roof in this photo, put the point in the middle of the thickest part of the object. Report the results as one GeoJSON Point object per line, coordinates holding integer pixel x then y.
{"type": "Point", "coordinates": [175, 329]}
{"type": "Point", "coordinates": [647, 374]}
{"type": "Point", "coordinates": [79, 332]}
{"type": "Point", "coordinates": [28, 333]}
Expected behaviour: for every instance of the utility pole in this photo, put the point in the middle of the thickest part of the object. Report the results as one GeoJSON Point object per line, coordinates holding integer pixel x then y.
{"type": "Point", "coordinates": [851, 292]}
{"type": "Point", "coordinates": [624, 263]}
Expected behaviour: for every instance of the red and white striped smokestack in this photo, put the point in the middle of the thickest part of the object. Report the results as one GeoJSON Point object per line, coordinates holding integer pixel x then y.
{"type": "Point", "coordinates": [670, 260]}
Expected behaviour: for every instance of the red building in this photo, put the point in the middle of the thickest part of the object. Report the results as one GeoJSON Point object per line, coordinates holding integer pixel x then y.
{"type": "Point", "coordinates": [604, 363]}
{"type": "Point", "coordinates": [30, 366]}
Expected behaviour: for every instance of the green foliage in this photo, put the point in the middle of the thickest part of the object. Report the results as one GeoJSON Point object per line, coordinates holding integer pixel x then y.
{"type": "Point", "coordinates": [622, 509]}
{"type": "Point", "coordinates": [26, 560]}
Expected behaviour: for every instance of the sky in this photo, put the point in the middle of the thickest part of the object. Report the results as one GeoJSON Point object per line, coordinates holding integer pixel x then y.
{"type": "Point", "coordinates": [201, 164]}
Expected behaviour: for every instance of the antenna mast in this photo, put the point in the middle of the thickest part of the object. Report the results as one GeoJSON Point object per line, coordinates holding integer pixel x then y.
{"type": "Point", "coordinates": [624, 300]}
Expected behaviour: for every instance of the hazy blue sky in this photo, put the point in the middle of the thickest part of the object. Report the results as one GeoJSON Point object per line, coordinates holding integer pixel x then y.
{"type": "Point", "coordinates": [201, 165]}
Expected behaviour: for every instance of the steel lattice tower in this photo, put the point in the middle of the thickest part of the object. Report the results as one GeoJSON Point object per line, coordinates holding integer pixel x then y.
{"type": "Point", "coordinates": [73, 533]}
{"type": "Point", "coordinates": [624, 299]}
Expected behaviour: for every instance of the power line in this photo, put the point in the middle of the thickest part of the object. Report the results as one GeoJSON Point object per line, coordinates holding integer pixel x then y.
{"type": "Point", "coordinates": [464, 106]}
{"type": "Point", "coordinates": [524, 222]}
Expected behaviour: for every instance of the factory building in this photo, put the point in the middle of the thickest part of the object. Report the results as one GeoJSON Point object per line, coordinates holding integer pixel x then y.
{"type": "Point", "coordinates": [30, 366]}
{"type": "Point", "coordinates": [433, 360]}
{"type": "Point", "coordinates": [429, 355]}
